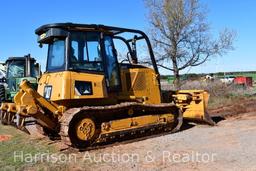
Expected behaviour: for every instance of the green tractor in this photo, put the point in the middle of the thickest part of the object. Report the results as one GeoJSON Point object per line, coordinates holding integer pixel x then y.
{"type": "Point", "coordinates": [17, 70]}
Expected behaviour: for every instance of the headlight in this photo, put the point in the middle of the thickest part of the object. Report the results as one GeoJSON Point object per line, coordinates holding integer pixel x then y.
{"type": "Point", "coordinates": [47, 92]}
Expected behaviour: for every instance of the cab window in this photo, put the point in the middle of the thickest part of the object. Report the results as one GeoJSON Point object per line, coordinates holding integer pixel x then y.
{"type": "Point", "coordinates": [85, 52]}
{"type": "Point", "coordinates": [56, 55]}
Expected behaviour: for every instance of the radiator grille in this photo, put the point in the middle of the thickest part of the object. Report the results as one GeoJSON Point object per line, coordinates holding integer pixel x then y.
{"type": "Point", "coordinates": [139, 80]}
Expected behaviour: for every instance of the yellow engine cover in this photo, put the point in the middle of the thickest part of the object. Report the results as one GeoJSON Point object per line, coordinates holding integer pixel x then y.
{"type": "Point", "coordinates": [140, 83]}
{"type": "Point", "coordinates": [137, 84]}
{"type": "Point", "coordinates": [63, 85]}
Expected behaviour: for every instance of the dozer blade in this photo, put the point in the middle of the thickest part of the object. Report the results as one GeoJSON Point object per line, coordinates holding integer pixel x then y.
{"type": "Point", "coordinates": [194, 104]}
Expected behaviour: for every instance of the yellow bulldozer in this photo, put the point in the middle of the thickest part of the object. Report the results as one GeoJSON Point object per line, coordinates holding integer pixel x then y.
{"type": "Point", "coordinates": [87, 96]}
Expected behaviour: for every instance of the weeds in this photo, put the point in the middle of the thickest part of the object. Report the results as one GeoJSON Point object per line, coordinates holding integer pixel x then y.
{"type": "Point", "coordinates": [220, 94]}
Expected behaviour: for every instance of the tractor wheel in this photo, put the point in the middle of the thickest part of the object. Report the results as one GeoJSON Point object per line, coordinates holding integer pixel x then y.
{"type": "Point", "coordinates": [2, 94]}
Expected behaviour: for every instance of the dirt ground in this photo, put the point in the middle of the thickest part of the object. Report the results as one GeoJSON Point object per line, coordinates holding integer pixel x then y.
{"type": "Point", "coordinates": [230, 145]}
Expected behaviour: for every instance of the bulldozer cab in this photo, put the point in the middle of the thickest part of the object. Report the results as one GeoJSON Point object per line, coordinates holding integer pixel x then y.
{"type": "Point", "coordinates": [90, 43]}
{"type": "Point", "coordinates": [90, 49]}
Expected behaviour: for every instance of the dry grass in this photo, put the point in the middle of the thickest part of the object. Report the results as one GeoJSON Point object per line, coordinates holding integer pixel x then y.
{"type": "Point", "coordinates": [221, 94]}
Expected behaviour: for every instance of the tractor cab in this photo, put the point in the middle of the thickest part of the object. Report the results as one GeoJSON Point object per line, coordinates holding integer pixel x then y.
{"type": "Point", "coordinates": [19, 69]}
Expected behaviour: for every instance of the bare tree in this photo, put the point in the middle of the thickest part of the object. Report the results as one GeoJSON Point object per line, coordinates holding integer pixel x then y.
{"type": "Point", "coordinates": [181, 35]}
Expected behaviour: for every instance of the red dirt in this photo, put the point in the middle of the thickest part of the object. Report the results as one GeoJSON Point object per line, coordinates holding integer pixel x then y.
{"type": "Point", "coordinates": [4, 137]}
{"type": "Point", "coordinates": [239, 107]}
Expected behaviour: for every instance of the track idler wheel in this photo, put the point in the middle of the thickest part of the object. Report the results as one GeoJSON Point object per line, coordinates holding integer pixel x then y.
{"type": "Point", "coordinates": [83, 131]}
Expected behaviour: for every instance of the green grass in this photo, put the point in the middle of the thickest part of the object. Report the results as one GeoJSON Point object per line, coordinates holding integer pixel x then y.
{"type": "Point", "coordinates": [21, 143]}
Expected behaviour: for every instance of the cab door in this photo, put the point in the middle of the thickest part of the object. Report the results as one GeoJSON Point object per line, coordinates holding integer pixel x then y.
{"type": "Point", "coordinates": [111, 66]}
